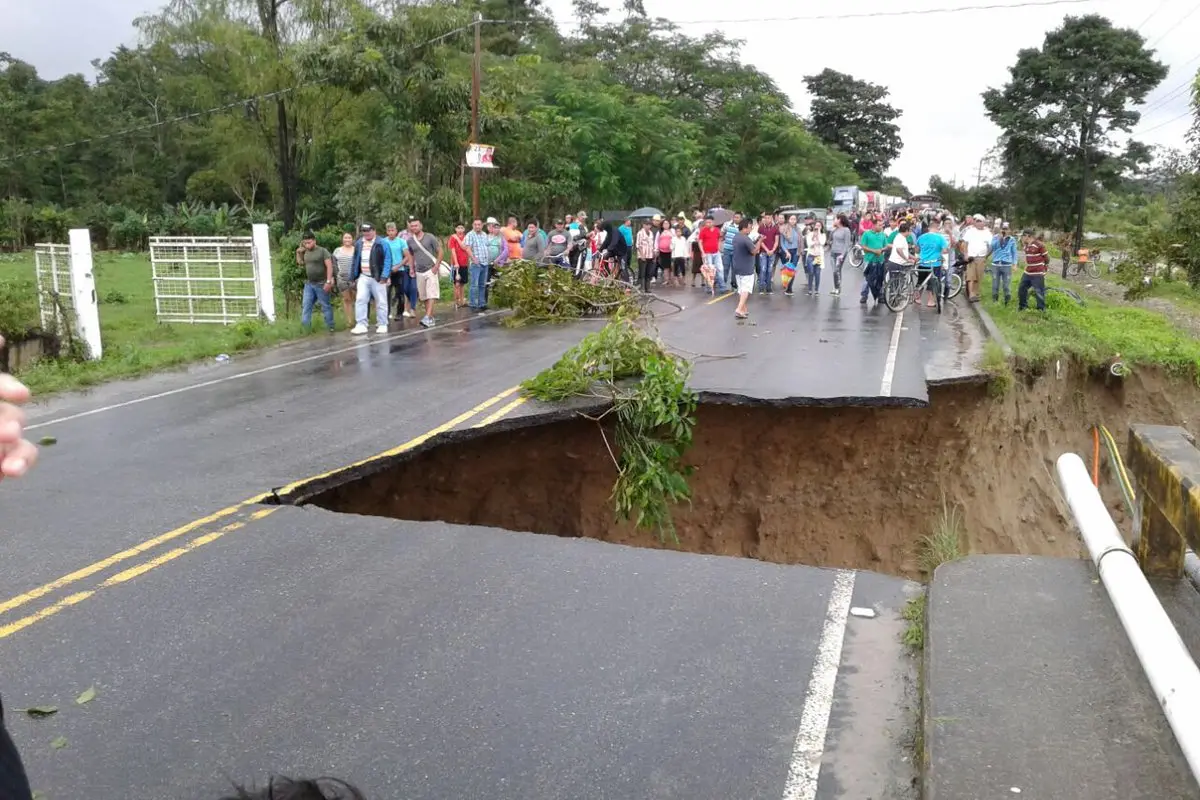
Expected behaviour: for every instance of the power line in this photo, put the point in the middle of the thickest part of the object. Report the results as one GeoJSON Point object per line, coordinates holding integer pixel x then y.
{"type": "Point", "coordinates": [1175, 91]}
{"type": "Point", "coordinates": [1187, 113]}
{"type": "Point", "coordinates": [1175, 26]}
{"type": "Point", "coordinates": [215, 109]}
{"type": "Point", "coordinates": [1150, 16]}
{"type": "Point", "coordinates": [869, 14]}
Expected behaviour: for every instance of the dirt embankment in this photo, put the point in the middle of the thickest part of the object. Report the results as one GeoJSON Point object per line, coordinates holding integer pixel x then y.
{"type": "Point", "coordinates": [844, 487]}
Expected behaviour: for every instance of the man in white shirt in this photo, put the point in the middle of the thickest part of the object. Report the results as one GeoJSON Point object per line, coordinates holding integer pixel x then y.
{"type": "Point", "coordinates": [976, 242]}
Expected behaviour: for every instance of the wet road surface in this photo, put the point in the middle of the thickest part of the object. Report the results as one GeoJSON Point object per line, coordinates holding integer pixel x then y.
{"type": "Point", "coordinates": [421, 660]}
{"type": "Point", "coordinates": [800, 350]}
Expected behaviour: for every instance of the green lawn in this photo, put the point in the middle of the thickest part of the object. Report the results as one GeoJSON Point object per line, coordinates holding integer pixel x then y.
{"type": "Point", "coordinates": [1094, 332]}
{"type": "Point", "coordinates": [134, 342]}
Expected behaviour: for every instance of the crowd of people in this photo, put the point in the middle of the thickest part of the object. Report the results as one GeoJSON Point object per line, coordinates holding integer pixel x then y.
{"type": "Point", "coordinates": [934, 241]}
{"type": "Point", "coordinates": [400, 272]}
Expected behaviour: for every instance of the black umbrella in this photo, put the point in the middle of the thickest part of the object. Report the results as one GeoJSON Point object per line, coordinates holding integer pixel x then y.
{"type": "Point", "coordinates": [646, 212]}
{"type": "Point", "coordinates": [720, 215]}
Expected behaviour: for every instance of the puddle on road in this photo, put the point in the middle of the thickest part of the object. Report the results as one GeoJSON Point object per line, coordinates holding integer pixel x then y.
{"type": "Point", "coordinates": [836, 487]}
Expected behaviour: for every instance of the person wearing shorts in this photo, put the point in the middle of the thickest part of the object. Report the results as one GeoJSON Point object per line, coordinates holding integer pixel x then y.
{"type": "Point", "coordinates": [745, 255]}
{"type": "Point", "coordinates": [976, 240]}
{"type": "Point", "coordinates": [426, 252]}
{"type": "Point", "coordinates": [460, 261]}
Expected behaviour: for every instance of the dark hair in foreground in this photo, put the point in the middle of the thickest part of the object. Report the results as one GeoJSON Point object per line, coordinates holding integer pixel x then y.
{"type": "Point", "coordinates": [305, 789]}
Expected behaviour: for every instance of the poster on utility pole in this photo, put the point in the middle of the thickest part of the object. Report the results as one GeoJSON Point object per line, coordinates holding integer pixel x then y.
{"type": "Point", "coordinates": [479, 156]}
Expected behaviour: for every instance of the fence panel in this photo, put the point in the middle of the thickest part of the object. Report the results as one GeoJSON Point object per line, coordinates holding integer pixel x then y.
{"type": "Point", "coordinates": [56, 293]}
{"type": "Point", "coordinates": [204, 279]}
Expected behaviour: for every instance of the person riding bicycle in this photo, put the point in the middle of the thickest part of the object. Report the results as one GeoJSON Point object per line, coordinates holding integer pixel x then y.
{"type": "Point", "coordinates": [615, 246]}
{"type": "Point", "coordinates": [931, 249]}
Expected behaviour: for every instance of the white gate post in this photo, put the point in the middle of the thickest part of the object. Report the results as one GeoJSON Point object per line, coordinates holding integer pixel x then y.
{"type": "Point", "coordinates": [83, 288]}
{"type": "Point", "coordinates": [263, 275]}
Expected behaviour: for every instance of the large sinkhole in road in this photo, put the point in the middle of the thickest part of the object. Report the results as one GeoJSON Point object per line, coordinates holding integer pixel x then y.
{"type": "Point", "coordinates": [838, 487]}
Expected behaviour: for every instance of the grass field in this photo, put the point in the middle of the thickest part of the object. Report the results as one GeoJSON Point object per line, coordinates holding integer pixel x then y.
{"type": "Point", "coordinates": [1094, 332]}
{"type": "Point", "coordinates": [134, 342]}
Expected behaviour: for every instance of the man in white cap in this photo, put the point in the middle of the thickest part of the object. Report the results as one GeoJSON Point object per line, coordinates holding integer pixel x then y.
{"type": "Point", "coordinates": [976, 243]}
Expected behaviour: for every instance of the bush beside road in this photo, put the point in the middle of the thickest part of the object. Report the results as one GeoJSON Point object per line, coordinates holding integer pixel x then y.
{"type": "Point", "coordinates": [1095, 332]}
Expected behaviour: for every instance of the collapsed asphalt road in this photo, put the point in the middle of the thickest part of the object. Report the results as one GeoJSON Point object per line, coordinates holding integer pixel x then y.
{"type": "Point", "coordinates": [229, 639]}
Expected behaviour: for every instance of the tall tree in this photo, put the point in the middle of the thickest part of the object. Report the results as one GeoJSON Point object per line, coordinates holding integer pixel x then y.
{"type": "Point", "coordinates": [852, 115]}
{"type": "Point", "coordinates": [1059, 112]}
{"type": "Point", "coordinates": [894, 186]}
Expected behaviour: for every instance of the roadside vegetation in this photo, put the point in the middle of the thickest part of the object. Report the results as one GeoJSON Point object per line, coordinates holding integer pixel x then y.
{"type": "Point", "coordinates": [1096, 331]}
{"type": "Point", "coordinates": [647, 408]}
{"type": "Point", "coordinates": [134, 341]}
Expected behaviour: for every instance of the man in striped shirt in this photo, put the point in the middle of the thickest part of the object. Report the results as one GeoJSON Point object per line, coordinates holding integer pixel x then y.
{"type": "Point", "coordinates": [1037, 261]}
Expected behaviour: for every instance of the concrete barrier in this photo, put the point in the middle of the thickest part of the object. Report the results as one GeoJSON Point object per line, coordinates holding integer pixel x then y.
{"type": "Point", "coordinates": [1164, 466]}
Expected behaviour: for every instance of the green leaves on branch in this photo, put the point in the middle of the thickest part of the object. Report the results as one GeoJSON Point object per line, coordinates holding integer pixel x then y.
{"type": "Point", "coordinates": [540, 294]}
{"type": "Point", "coordinates": [1065, 100]}
{"type": "Point", "coordinates": [853, 116]}
{"type": "Point", "coordinates": [651, 415]}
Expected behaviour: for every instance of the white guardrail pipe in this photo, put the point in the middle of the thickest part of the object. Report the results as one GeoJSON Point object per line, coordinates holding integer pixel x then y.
{"type": "Point", "coordinates": [1164, 657]}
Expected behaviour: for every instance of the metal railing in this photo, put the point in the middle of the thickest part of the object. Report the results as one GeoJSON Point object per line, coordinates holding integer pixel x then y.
{"type": "Point", "coordinates": [1164, 658]}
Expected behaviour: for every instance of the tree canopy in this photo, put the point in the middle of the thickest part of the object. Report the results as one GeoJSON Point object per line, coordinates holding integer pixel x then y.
{"type": "Point", "coordinates": [852, 115]}
{"type": "Point", "coordinates": [1059, 111]}
{"type": "Point", "coordinates": [335, 110]}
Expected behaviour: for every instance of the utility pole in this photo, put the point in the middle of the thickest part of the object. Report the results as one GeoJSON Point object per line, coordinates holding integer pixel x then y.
{"type": "Point", "coordinates": [475, 70]}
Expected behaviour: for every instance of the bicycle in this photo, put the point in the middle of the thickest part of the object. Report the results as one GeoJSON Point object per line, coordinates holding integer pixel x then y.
{"type": "Point", "coordinates": [1090, 267]}
{"type": "Point", "coordinates": [901, 287]}
{"type": "Point", "coordinates": [857, 256]}
{"type": "Point", "coordinates": [606, 270]}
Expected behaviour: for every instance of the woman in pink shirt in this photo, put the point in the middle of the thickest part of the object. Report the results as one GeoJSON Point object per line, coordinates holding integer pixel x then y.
{"type": "Point", "coordinates": [665, 239]}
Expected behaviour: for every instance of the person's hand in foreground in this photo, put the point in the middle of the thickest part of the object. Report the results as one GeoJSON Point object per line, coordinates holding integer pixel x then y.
{"type": "Point", "coordinates": [17, 454]}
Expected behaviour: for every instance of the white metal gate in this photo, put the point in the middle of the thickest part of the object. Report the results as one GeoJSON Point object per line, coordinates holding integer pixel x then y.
{"type": "Point", "coordinates": [66, 286]}
{"type": "Point", "coordinates": [205, 278]}
{"type": "Point", "coordinates": [56, 293]}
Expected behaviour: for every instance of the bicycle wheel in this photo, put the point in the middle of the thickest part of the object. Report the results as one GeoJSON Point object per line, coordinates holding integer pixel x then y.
{"type": "Point", "coordinates": [954, 286]}
{"type": "Point", "coordinates": [856, 256]}
{"type": "Point", "coordinates": [935, 286]}
{"type": "Point", "coordinates": [897, 290]}
{"type": "Point", "coordinates": [1093, 269]}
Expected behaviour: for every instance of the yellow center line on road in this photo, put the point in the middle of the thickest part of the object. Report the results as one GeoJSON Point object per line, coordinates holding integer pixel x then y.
{"type": "Point", "coordinates": [409, 445]}
{"type": "Point", "coordinates": [131, 573]}
{"type": "Point", "coordinates": [719, 299]}
{"type": "Point", "coordinates": [501, 413]}
{"type": "Point", "coordinates": [138, 549]}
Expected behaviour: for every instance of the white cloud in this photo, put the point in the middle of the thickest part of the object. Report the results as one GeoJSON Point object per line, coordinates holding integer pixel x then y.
{"type": "Point", "coordinates": [935, 65]}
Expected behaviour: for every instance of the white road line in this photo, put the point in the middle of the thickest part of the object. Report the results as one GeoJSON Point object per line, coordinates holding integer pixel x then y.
{"type": "Point", "coordinates": [205, 384]}
{"type": "Point", "coordinates": [889, 366]}
{"type": "Point", "coordinates": [814, 720]}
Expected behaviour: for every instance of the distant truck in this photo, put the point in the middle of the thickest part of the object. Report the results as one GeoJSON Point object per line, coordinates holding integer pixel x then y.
{"type": "Point", "coordinates": [847, 199]}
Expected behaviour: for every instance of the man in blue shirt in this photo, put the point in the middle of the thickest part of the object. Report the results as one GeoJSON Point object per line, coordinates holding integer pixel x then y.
{"type": "Point", "coordinates": [931, 246]}
{"type": "Point", "coordinates": [1004, 257]}
{"type": "Point", "coordinates": [397, 246]}
{"type": "Point", "coordinates": [626, 231]}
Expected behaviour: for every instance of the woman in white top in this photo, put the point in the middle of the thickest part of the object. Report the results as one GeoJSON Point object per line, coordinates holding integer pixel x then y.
{"type": "Point", "coordinates": [681, 250]}
{"type": "Point", "coordinates": [814, 261]}
{"type": "Point", "coordinates": [344, 286]}
{"type": "Point", "coordinates": [901, 253]}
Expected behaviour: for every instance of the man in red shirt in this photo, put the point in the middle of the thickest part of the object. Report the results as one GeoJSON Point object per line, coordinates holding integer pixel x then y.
{"type": "Point", "coordinates": [766, 256]}
{"type": "Point", "coordinates": [1037, 261]}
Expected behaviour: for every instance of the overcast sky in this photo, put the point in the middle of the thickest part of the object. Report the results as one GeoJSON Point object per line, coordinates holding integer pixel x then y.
{"type": "Point", "coordinates": [944, 131]}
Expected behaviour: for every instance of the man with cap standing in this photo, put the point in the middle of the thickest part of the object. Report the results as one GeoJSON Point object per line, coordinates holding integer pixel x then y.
{"type": "Point", "coordinates": [976, 242]}
{"type": "Point", "coordinates": [1004, 258]}
{"type": "Point", "coordinates": [318, 271]}
{"type": "Point", "coordinates": [370, 269]}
